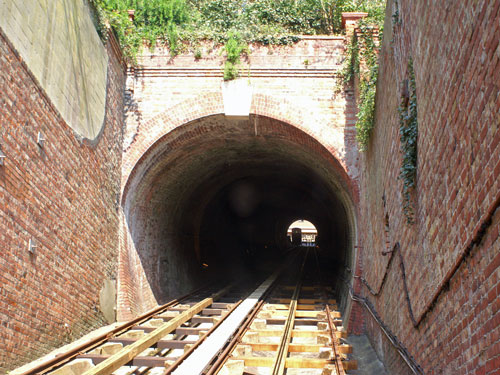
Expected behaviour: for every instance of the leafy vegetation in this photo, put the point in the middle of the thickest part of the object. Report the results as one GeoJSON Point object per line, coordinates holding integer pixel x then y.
{"type": "Point", "coordinates": [234, 47]}
{"type": "Point", "coordinates": [362, 50]}
{"type": "Point", "coordinates": [366, 114]}
{"type": "Point", "coordinates": [408, 132]}
{"type": "Point", "coordinates": [183, 23]}
{"type": "Point", "coordinates": [152, 20]}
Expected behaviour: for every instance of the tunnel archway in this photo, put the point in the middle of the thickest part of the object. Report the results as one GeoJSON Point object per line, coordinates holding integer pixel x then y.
{"type": "Point", "coordinates": [217, 195]}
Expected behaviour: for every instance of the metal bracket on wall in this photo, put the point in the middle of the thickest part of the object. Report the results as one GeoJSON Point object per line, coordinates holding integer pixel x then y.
{"type": "Point", "coordinates": [40, 139]}
{"type": "Point", "coordinates": [32, 246]}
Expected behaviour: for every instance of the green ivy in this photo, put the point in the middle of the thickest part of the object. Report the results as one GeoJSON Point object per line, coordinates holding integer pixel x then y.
{"type": "Point", "coordinates": [153, 20]}
{"type": "Point", "coordinates": [362, 48]}
{"type": "Point", "coordinates": [408, 132]}
{"type": "Point", "coordinates": [184, 23]}
{"type": "Point", "coordinates": [366, 114]}
{"type": "Point", "coordinates": [351, 62]}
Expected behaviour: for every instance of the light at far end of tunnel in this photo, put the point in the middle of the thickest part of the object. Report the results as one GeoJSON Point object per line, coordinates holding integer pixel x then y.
{"type": "Point", "coordinates": [302, 232]}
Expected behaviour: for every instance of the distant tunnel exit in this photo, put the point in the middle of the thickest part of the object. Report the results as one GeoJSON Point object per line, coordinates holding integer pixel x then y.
{"type": "Point", "coordinates": [302, 232]}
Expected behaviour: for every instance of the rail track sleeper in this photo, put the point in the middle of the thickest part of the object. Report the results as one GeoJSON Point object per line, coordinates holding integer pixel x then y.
{"type": "Point", "coordinates": [293, 348]}
{"type": "Point", "coordinates": [136, 361]}
{"type": "Point", "coordinates": [209, 312]}
{"type": "Point", "coordinates": [291, 362]}
{"type": "Point", "coordinates": [297, 362]}
{"type": "Point", "coordinates": [307, 301]}
{"type": "Point", "coordinates": [189, 331]}
{"type": "Point", "coordinates": [350, 365]}
{"type": "Point", "coordinates": [143, 328]}
{"type": "Point", "coordinates": [303, 314]}
{"type": "Point", "coordinates": [307, 322]}
{"type": "Point", "coordinates": [164, 318]}
{"type": "Point", "coordinates": [280, 306]}
{"type": "Point", "coordinates": [129, 352]}
{"type": "Point", "coordinates": [173, 344]}
{"type": "Point", "coordinates": [222, 305]}
{"type": "Point", "coordinates": [202, 319]}
{"type": "Point", "coordinates": [341, 334]}
{"type": "Point", "coordinates": [345, 349]}
{"type": "Point", "coordinates": [180, 309]}
{"type": "Point", "coordinates": [167, 315]}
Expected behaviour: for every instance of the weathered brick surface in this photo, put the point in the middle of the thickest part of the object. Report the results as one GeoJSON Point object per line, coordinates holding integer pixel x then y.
{"type": "Point", "coordinates": [65, 197]}
{"type": "Point", "coordinates": [455, 49]}
{"type": "Point", "coordinates": [175, 114]}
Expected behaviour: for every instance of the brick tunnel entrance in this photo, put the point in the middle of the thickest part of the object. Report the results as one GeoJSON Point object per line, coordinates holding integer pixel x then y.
{"type": "Point", "coordinates": [216, 196]}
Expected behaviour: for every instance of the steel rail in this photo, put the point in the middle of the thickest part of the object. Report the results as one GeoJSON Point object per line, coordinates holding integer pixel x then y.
{"type": "Point", "coordinates": [279, 361]}
{"type": "Point", "coordinates": [338, 360]}
{"type": "Point", "coordinates": [59, 360]}
{"type": "Point", "coordinates": [127, 353]}
{"type": "Point", "coordinates": [331, 325]}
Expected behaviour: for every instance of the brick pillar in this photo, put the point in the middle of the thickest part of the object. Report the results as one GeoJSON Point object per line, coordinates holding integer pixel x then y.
{"type": "Point", "coordinates": [350, 21]}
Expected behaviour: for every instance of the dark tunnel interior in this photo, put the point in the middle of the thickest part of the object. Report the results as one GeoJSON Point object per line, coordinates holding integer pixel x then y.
{"type": "Point", "coordinates": [206, 203]}
{"type": "Point", "coordinates": [247, 220]}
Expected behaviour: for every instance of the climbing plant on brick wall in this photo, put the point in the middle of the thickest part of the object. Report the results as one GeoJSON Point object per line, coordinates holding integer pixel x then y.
{"type": "Point", "coordinates": [362, 60]}
{"type": "Point", "coordinates": [408, 132]}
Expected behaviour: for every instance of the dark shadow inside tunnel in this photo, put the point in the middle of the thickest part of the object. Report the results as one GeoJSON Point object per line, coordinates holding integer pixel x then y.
{"type": "Point", "coordinates": [215, 198]}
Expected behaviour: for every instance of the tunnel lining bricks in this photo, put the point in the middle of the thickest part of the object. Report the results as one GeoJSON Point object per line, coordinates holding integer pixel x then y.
{"type": "Point", "coordinates": [212, 104]}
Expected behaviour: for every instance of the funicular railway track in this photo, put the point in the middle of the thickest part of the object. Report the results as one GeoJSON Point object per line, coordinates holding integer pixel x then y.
{"type": "Point", "coordinates": [286, 324]}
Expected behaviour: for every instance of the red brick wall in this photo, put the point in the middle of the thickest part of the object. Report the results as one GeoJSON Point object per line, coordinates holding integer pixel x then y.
{"type": "Point", "coordinates": [451, 253]}
{"type": "Point", "coordinates": [64, 196]}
